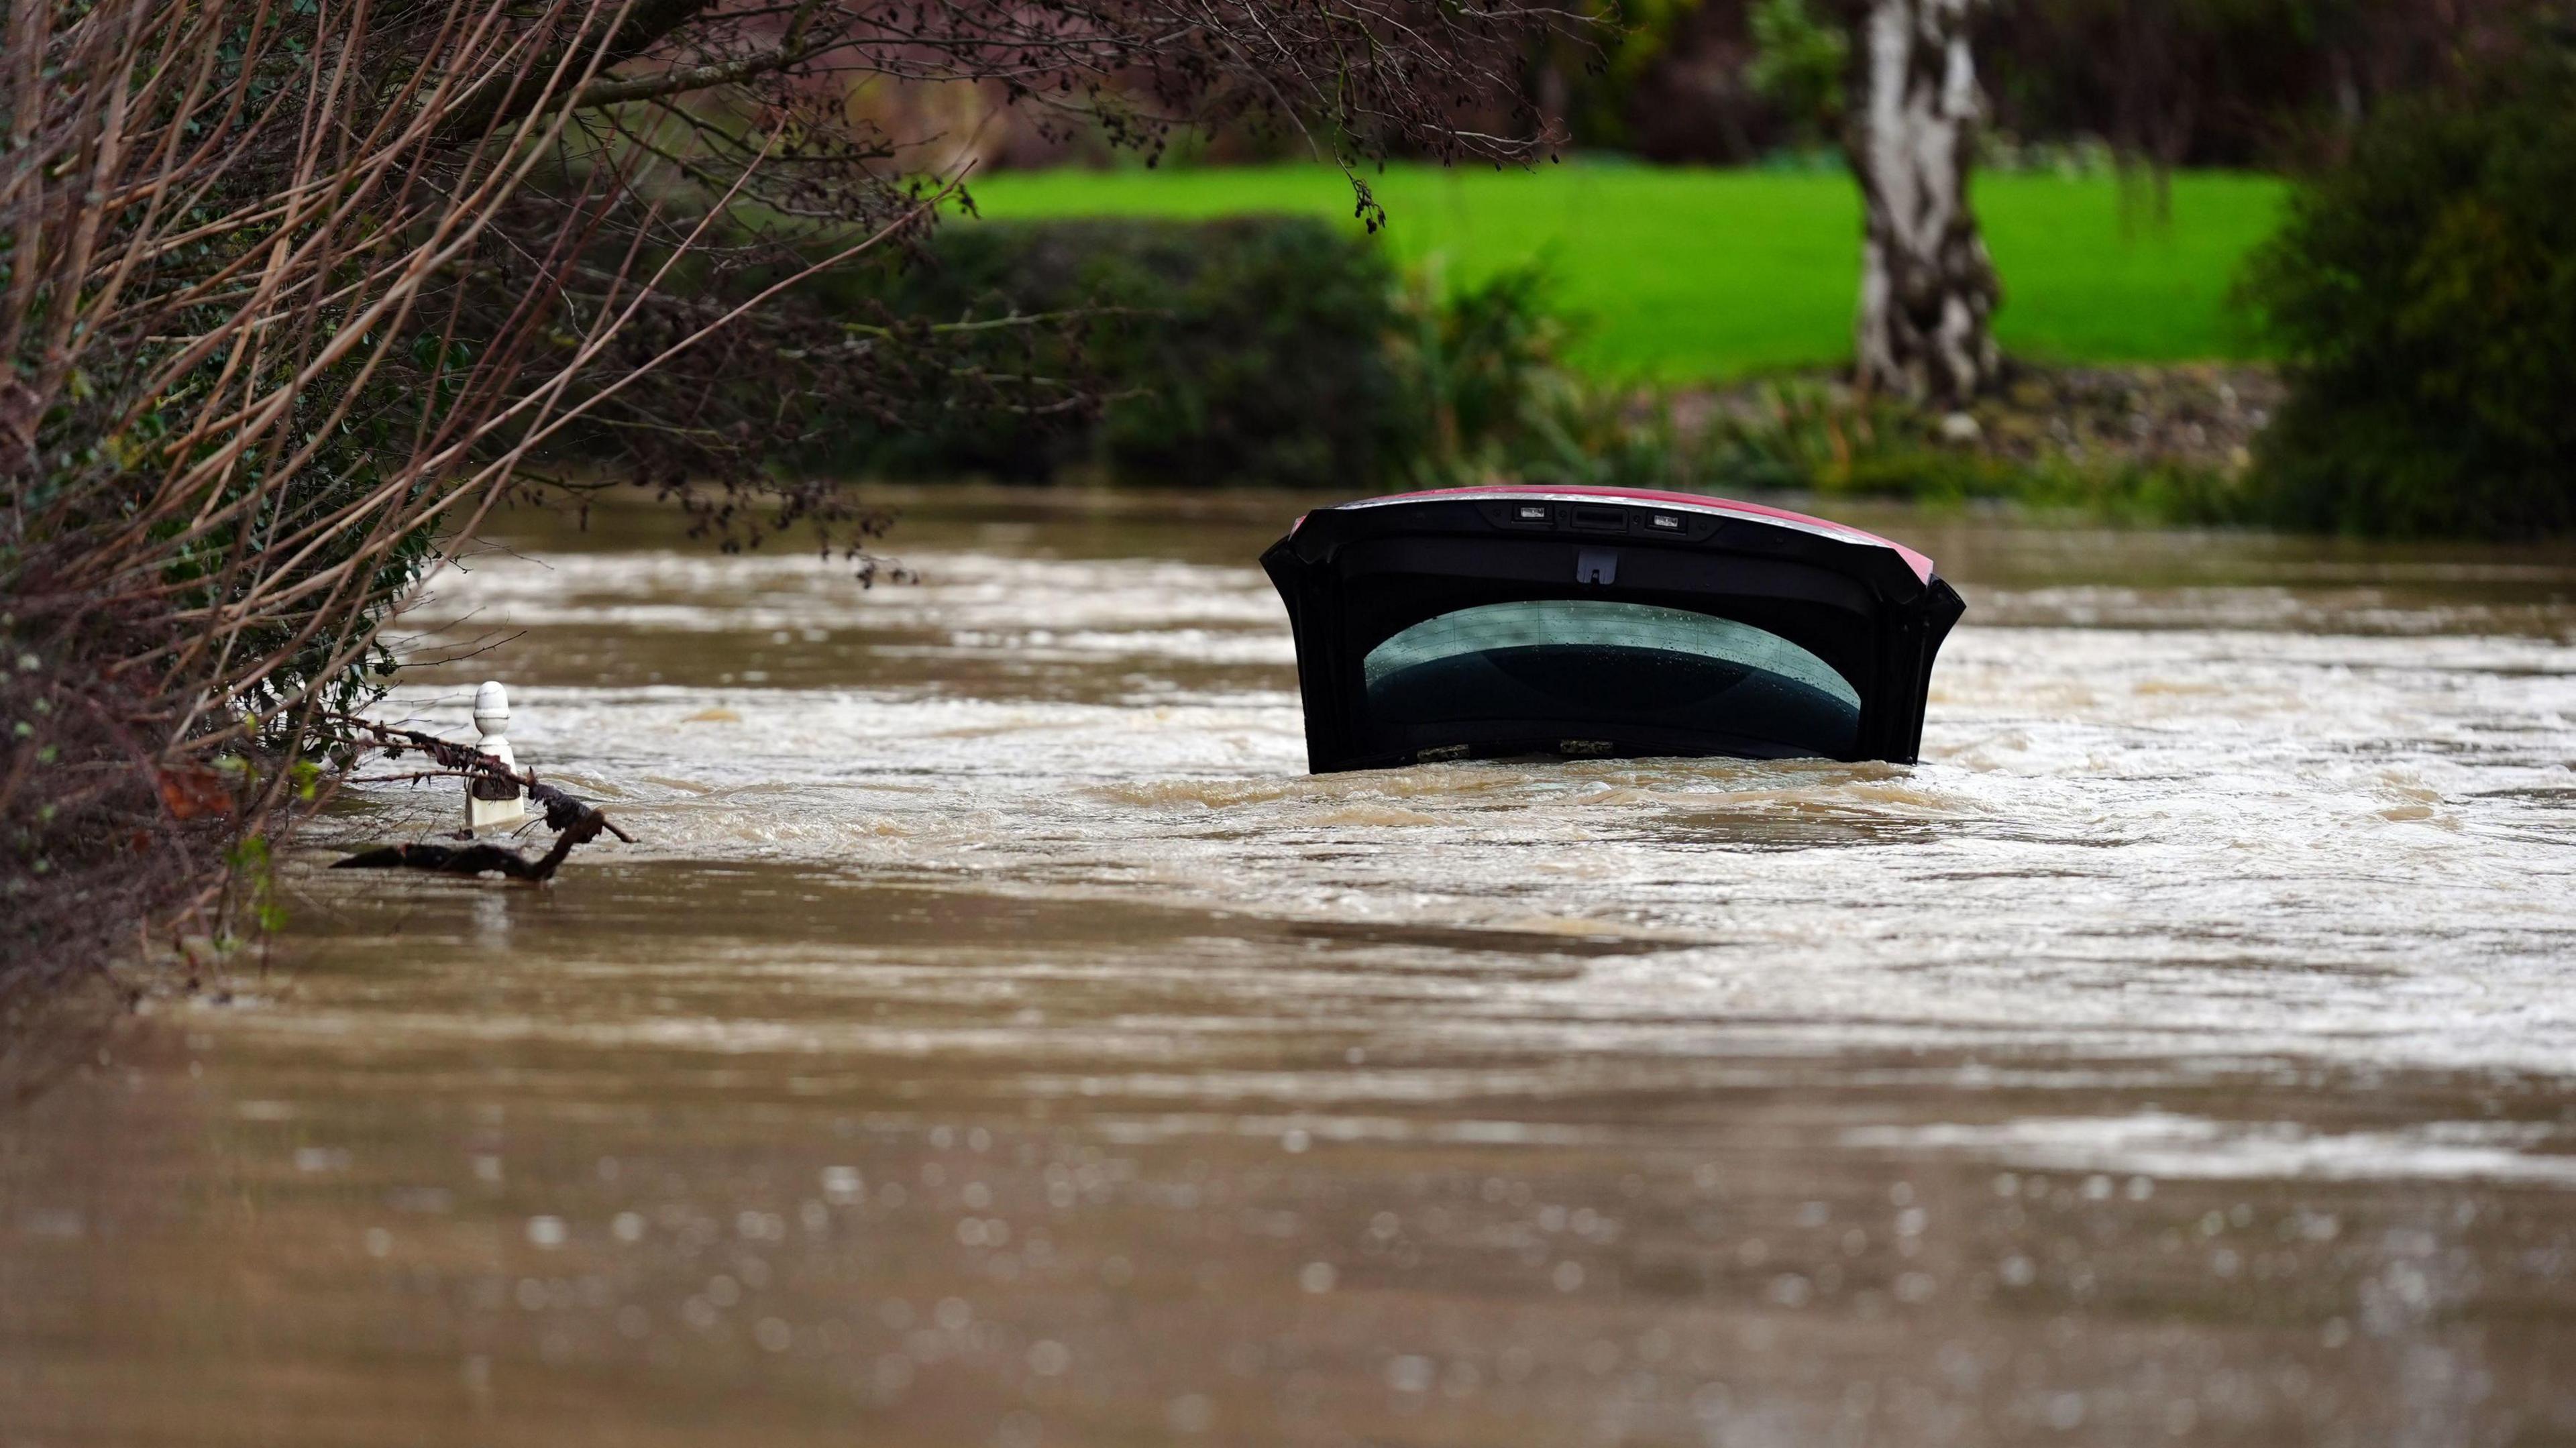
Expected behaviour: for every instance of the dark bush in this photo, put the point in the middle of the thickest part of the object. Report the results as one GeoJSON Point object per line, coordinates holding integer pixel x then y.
{"type": "Point", "coordinates": [1250, 350]}
{"type": "Point", "coordinates": [2424, 294]}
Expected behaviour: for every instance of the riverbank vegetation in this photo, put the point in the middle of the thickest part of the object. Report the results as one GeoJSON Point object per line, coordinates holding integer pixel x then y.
{"type": "Point", "coordinates": [1293, 352]}
{"type": "Point", "coordinates": [2425, 295]}
{"type": "Point", "coordinates": [1693, 328]}
{"type": "Point", "coordinates": [266, 346]}
{"type": "Point", "coordinates": [292, 296]}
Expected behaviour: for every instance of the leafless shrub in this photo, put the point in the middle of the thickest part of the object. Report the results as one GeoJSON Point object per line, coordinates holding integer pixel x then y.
{"type": "Point", "coordinates": [293, 293]}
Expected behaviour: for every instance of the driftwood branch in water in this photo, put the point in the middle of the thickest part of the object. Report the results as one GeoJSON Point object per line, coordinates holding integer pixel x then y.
{"type": "Point", "coordinates": [479, 859]}
{"type": "Point", "coordinates": [574, 821]}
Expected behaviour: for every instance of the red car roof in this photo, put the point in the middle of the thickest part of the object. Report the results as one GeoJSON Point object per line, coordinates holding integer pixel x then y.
{"type": "Point", "coordinates": [1695, 502]}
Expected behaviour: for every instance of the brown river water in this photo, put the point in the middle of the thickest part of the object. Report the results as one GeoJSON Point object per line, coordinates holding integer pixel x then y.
{"type": "Point", "coordinates": [996, 1038]}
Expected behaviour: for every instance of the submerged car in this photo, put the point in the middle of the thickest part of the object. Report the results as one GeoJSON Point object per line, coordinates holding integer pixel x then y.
{"type": "Point", "coordinates": [1492, 622]}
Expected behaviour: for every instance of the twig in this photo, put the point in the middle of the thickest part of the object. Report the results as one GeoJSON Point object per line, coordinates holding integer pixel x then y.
{"type": "Point", "coordinates": [564, 813]}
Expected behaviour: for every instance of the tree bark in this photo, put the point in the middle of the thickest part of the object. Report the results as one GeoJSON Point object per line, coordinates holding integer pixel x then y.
{"type": "Point", "coordinates": [1927, 286]}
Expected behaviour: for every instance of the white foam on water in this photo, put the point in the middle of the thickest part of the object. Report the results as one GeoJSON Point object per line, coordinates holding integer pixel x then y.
{"type": "Point", "coordinates": [2163, 1145]}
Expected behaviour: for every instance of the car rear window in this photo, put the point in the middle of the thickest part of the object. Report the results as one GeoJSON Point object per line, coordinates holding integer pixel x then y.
{"type": "Point", "coordinates": [1592, 662]}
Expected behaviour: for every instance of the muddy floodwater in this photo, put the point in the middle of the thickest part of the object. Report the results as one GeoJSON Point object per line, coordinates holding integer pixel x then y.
{"type": "Point", "coordinates": [996, 1038]}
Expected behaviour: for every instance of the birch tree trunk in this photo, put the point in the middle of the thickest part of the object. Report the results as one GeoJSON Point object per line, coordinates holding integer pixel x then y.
{"type": "Point", "coordinates": [1927, 286]}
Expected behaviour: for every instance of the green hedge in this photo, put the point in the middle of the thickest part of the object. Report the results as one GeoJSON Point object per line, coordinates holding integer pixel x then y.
{"type": "Point", "coordinates": [1250, 350]}
{"type": "Point", "coordinates": [2425, 293]}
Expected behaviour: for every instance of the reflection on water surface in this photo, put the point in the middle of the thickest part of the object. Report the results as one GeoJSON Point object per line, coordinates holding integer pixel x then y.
{"type": "Point", "coordinates": [999, 1039]}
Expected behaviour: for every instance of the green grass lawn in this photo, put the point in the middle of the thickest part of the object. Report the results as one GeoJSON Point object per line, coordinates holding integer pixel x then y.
{"type": "Point", "coordinates": [1683, 275]}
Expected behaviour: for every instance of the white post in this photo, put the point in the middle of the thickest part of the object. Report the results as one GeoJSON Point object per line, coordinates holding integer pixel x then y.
{"type": "Point", "coordinates": [489, 803]}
